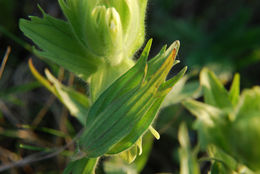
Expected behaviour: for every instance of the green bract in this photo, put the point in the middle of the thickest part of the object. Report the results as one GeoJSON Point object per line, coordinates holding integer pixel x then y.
{"type": "Point", "coordinates": [124, 112]}
{"type": "Point", "coordinates": [111, 29]}
{"type": "Point", "coordinates": [97, 32]}
{"type": "Point", "coordinates": [59, 44]}
{"type": "Point", "coordinates": [77, 103]}
{"type": "Point", "coordinates": [228, 120]}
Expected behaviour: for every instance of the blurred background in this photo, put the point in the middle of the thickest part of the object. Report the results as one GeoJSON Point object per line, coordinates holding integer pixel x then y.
{"type": "Point", "coordinates": [222, 35]}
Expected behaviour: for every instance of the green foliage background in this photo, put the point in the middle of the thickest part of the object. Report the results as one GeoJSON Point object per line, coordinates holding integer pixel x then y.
{"type": "Point", "coordinates": [222, 35]}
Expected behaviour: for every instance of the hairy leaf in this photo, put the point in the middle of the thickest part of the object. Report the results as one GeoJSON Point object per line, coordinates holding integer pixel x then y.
{"type": "Point", "coordinates": [57, 43]}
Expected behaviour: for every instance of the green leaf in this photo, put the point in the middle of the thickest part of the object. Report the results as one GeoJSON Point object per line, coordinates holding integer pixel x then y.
{"type": "Point", "coordinates": [49, 131]}
{"type": "Point", "coordinates": [202, 111]}
{"type": "Point", "coordinates": [214, 92]}
{"type": "Point", "coordinates": [139, 129]}
{"type": "Point", "coordinates": [81, 166]}
{"type": "Point", "coordinates": [45, 149]}
{"type": "Point", "coordinates": [77, 103]}
{"type": "Point", "coordinates": [126, 82]}
{"type": "Point", "coordinates": [106, 75]}
{"type": "Point", "coordinates": [57, 43]}
{"type": "Point", "coordinates": [223, 163]}
{"type": "Point", "coordinates": [78, 14]}
{"type": "Point", "coordinates": [234, 92]}
{"type": "Point", "coordinates": [246, 125]}
{"type": "Point", "coordinates": [211, 123]}
{"type": "Point", "coordinates": [249, 104]}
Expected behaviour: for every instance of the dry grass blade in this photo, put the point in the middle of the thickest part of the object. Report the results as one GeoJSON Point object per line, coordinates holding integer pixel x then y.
{"type": "Point", "coordinates": [8, 114]}
{"type": "Point", "coordinates": [26, 135]}
{"type": "Point", "coordinates": [171, 122]}
{"type": "Point", "coordinates": [2, 67]}
{"type": "Point", "coordinates": [6, 155]}
{"type": "Point", "coordinates": [39, 156]}
{"type": "Point", "coordinates": [43, 111]}
{"type": "Point", "coordinates": [48, 104]}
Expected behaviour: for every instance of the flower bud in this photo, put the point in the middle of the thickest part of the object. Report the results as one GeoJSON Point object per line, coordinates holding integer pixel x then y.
{"type": "Point", "coordinates": [104, 35]}
{"type": "Point", "coordinates": [112, 29]}
{"type": "Point", "coordinates": [126, 110]}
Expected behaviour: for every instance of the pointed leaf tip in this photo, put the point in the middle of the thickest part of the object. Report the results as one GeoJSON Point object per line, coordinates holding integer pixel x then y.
{"type": "Point", "coordinates": [41, 9]}
{"type": "Point", "coordinates": [214, 91]}
{"type": "Point", "coordinates": [146, 50]}
{"type": "Point", "coordinates": [234, 92]}
{"type": "Point", "coordinates": [174, 48]}
{"type": "Point", "coordinates": [170, 83]}
{"type": "Point", "coordinates": [39, 77]}
{"type": "Point", "coordinates": [175, 45]}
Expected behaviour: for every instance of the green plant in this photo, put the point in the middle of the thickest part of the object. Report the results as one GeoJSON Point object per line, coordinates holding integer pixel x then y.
{"type": "Point", "coordinates": [228, 124]}
{"type": "Point", "coordinates": [98, 43]}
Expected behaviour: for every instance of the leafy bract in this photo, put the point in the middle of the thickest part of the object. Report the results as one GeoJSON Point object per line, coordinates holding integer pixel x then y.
{"type": "Point", "coordinates": [124, 112]}
{"type": "Point", "coordinates": [143, 123]}
{"type": "Point", "coordinates": [222, 162]}
{"type": "Point", "coordinates": [57, 42]}
{"type": "Point", "coordinates": [246, 125]}
{"type": "Point", "coordinates": [228, 121]}
{"type": "Point", "coordinates": [106, 75]}
{"type": "Point", "coordinates": [77, 103]}
{"type": "Point", "coordinates": [214, 92]}
{"type": "Point", "coordinates": [210, 123]}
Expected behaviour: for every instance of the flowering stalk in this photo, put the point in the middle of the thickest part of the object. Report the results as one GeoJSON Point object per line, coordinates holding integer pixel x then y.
{"type": "Point", "coordinates": [97, 43]}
